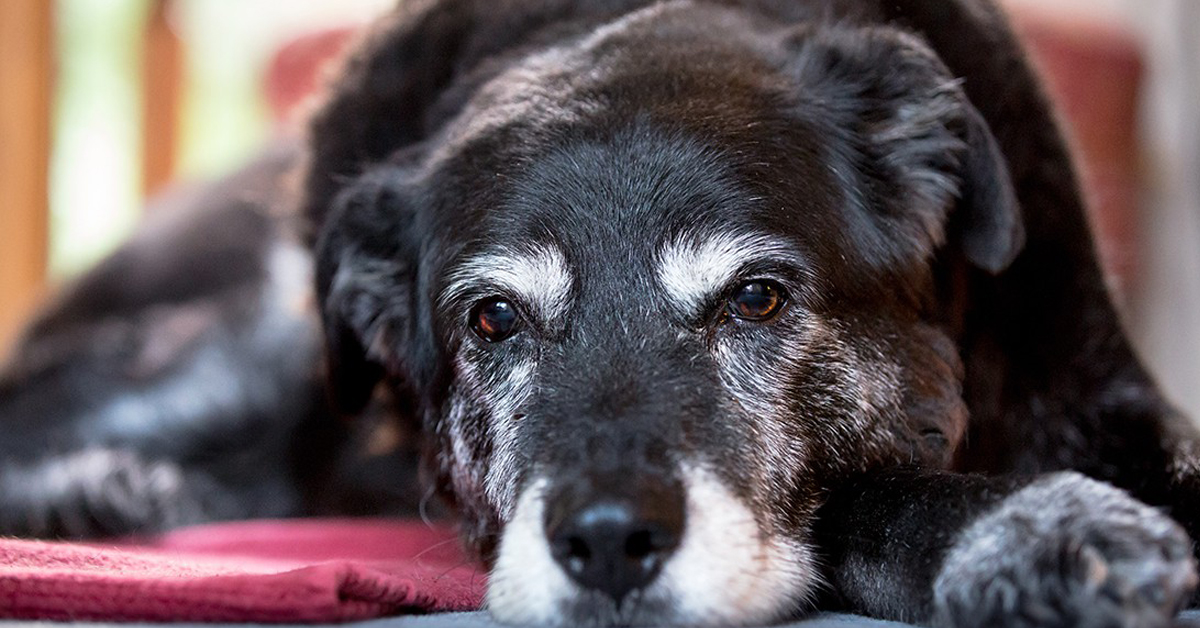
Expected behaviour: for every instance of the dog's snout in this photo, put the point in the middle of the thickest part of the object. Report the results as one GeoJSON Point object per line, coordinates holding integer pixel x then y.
{"type": "Point", "coordinates": [615, 544]}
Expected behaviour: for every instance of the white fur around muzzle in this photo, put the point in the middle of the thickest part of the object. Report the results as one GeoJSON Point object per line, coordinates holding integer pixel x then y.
{"type": "Point", "coordinates": [725, 572]}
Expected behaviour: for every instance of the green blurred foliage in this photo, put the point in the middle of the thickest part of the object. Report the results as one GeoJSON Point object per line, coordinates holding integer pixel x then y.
{"type": "Point", "coordinates": [95, 161]}
{"type": "Point", "coordinates": [95, 188]}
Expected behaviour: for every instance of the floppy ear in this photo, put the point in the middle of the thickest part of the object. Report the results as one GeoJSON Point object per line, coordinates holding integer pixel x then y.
{"type": "Point", "coordinates": [376, 105]}
{"type": "Point", "coordinates": [932, 169]}
{"type": "Point", "coordinates": [380, 97]}
{"type": "Point", "coordinates": [988, 223]}
{"type": "Point", "coordinates": [366, 274]}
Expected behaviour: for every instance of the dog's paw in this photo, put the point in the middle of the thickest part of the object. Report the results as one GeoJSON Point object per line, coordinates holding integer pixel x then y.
{"type": "Point", "coordinates": [90, 493]}
{"type": "Point", "coordinates": [1067, 551]}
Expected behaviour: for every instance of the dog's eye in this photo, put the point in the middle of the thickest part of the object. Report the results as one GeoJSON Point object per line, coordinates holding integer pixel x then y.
{"type": "Point", "coordinates": [494, 319]}
{"type": "Point", "coordinates": [756, 300]}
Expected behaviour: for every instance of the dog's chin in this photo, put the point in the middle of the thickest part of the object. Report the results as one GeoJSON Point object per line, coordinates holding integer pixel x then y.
{"type": "Point", "coordinates": [725, 572]}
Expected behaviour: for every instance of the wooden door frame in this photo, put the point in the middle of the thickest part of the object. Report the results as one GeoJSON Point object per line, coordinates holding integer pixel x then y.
{"type": "Point", "coordinates": [26, 82]}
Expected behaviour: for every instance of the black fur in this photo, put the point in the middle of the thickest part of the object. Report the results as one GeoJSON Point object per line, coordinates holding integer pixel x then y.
{"type": "Point", "coordinates": [173, 385]}
{"type": "Point", "coordinates": [901, 148]}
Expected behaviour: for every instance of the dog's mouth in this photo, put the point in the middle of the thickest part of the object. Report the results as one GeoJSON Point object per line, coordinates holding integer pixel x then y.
{"type": "Point", "coordinates": [689, 554]}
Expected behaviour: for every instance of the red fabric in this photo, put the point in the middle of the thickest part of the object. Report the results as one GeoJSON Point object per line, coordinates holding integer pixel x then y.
{"type": "Point", "coordinates": [264, 571]}
{"type": "Point", "coordinates": [294, 73]}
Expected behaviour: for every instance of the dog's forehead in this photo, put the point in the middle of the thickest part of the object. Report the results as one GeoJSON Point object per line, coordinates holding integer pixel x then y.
{"type": "Point", "coordinates": [636, 129]}
{"type": "Point", "coordinates": [622, 186]}
{"type": "Point", "coordinates": [640, 218]}
{"type": "Point", "coordinates": [640, 169]}
{"type": "Point", "coordinates": [646, 60]}
{"type": "Point", "coordinates": [638, 207]}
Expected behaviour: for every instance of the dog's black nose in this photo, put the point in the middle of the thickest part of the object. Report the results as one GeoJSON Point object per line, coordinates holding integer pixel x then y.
{"type": "Point", "coordinates": [615, 543]}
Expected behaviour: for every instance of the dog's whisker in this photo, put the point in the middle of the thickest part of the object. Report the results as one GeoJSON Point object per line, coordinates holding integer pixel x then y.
{"type": "Point", "coordinates": [423, 507]}
{"type": "Point", "coordinates": [435, 546]}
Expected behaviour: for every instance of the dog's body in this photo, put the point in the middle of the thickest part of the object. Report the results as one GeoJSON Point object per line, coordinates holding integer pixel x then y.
{"type": "Point", "coordinates": [699, 305]}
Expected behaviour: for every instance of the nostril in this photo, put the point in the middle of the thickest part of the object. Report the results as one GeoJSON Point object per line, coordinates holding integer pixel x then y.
{"type": "Point", "coordinates": [649, 543]}
{"type": "Point", "coordinates": [575, 556]}
{"type": "Point", "coordinates": [577, 548]}
{"type": "Point", "coordinates": [638, 545]}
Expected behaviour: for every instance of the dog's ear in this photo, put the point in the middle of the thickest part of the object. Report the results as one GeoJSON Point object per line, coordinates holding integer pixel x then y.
{"type": "Point", "coordinates": [358, 221]}
{"type": "Point", "coordinates": [366, 277]}
{"type": "Point", "coordinates": [988, 222]}
{"type": "Point", "coordinates": [379, 99]}
{"type": "Point", "coordinates": [930, 166]}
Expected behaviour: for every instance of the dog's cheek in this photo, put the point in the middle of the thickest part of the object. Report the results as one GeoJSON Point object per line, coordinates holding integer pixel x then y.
{"type": "Point", "coordinates": [894, 397]}
{"type": "Point", "coordinates": [814, 402]}
{"type": "Point", "coordinates": [460, 459]}
{"type": "Point", "coordinates": [510, 393]}
{"type": "Point", "coordinates": [756, 371]}
{"type": "Point", "coordinates": [479, 427]}
{"type": "Point", "coordinates": [900, 388]}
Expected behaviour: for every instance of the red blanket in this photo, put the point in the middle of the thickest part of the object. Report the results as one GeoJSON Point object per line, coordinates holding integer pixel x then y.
{"type": "Point", "coordinates": [263, 571]}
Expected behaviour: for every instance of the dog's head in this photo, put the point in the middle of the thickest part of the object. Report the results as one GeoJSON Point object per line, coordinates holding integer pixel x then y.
{"type": "Point", "coordinates": [654, 289]}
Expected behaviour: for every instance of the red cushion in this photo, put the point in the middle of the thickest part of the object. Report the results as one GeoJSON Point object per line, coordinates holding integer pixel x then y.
{"type": "Point", "coordinates": [260, 571]}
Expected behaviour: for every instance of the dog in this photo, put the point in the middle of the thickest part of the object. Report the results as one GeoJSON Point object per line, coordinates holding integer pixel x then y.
{"type": "Point", "coordinates": [700, 312]}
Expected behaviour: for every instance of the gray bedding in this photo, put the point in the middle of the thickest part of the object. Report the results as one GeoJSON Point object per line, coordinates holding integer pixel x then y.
{"type": "Point", "coordinates": [1189, 619]}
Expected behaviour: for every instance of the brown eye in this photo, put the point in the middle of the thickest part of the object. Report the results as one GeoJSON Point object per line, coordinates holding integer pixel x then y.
{"type": "Point", "coordinates": [756, 300]}
{"type": "Point", "coordinates": [494, 319]}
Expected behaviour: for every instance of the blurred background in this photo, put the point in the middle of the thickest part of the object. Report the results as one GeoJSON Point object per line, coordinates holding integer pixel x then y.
{"type": "Point", "coordinates": [103, 103]}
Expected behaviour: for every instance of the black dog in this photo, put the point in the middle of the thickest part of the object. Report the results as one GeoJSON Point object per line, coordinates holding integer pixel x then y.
{"type": "Point", "coordinates": [707, 311]}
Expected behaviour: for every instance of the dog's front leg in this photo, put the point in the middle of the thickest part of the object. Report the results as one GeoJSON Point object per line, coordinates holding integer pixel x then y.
{"type": "Point", "coordinates": [963, 551]}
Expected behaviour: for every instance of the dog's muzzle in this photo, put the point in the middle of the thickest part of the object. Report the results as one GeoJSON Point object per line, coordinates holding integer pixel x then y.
{"type": "Point", "coordinates": [614, 533]}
